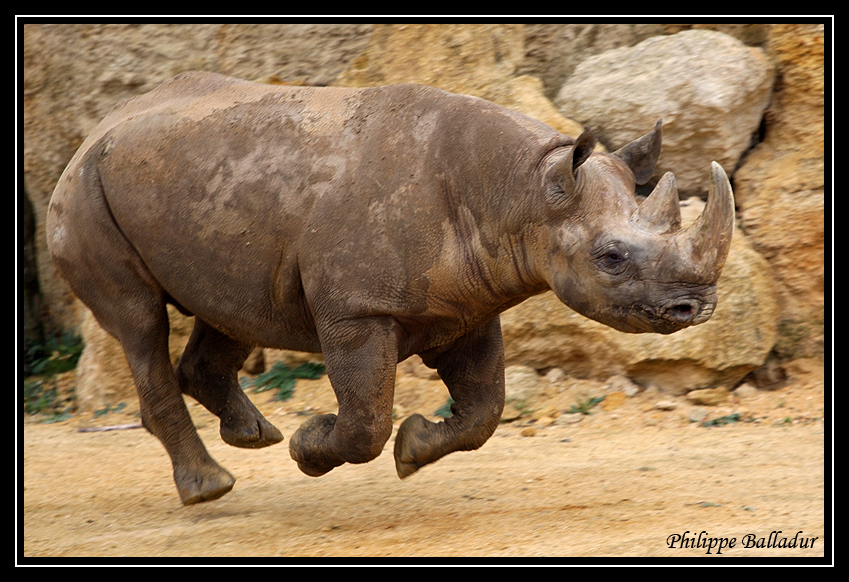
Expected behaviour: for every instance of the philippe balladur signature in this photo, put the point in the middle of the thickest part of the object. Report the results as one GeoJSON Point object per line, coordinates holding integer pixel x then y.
{"type": "Point", "coordinates": [704, 540]}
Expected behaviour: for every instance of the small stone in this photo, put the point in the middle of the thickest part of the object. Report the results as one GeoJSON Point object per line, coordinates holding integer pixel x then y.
{"type": "Point", "coordinates": [745, 391]}
{"type": "Point", "coordinates": [510, 413]}
{"type": "Point", "coordinates": [613, 401]}
{"type": "Point", "coordinates": [548, 411]}
{"type": "Point", "coordinates": [622, 384]}
{"type": "Point", "coordinates": [556, 375]}
{"type": "Point", "coordinates": [528, 431]}
{"type": "Point", "coordinates": [521, 382]}
{"type": "Point", "coordinates": [568, 419]}
{"type": "Point", "coordinates": [697, 415]}
{"type": "Point", "coordinates": [709, 396]}
{"type": "Point", "coordinates": [666, 405]}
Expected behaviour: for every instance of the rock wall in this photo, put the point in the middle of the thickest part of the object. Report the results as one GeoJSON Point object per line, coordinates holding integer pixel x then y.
{"type": "Point", "coordinates": [772, 290]}
{"type": "Point", "coordinates": [780, 188]}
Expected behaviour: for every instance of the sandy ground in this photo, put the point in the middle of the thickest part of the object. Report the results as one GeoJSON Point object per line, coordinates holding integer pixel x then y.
{"type": "Point", "coordinates": [622, 482]}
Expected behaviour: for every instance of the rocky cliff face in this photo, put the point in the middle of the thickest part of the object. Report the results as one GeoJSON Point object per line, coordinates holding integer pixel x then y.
{"type": "Point", "coordinates": [765, 83]}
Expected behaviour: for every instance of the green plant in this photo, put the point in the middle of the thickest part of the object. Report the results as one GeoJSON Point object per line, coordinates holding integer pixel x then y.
{"type": "Point", "coordinates": [109, 408]}
{"type": "Point", "coordinates": [723, 420]}
{"type": "Point", "coordinates": [42, 396]}
{"type": "Point", "coordinates": [584, 406]}
{"type": "Point", "coordinates": [281, 378]}
{"type": "Point", "coordinates": [56, 356]}
{"type": "Point", "coordinates": [444, 411]}
{"type": "Point", "coordinates": [39, 395]}
{"type": "Point", "coordinates": [43, 392]}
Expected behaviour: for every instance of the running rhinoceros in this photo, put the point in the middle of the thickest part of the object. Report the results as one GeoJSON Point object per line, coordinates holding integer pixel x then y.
{"type": "Point", "coordinates": [368, 225]}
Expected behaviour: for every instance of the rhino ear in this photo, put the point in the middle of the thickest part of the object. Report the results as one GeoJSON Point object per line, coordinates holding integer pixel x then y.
{"type": "Point", "coordinates": [584, 146]}
{"type": "Point", "coordinates": [561, 176]}
{"type": "Point", "coordinates": [641, 154]}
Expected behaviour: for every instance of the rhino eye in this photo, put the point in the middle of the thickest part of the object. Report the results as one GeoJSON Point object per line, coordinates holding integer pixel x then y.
{"type": "Point", "coordinates": [613, 258]}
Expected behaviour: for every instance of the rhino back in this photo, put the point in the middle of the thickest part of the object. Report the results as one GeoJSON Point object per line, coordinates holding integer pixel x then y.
{"type": "Point", "coordinates": [257, 206]}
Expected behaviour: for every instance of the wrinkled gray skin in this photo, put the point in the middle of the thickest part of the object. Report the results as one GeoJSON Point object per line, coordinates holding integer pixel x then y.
{"type": "Point", "coordinates": [366, 224]}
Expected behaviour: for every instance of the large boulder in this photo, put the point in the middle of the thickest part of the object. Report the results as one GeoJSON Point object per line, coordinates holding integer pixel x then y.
{"type": "Point", "coordinates": [708, 87]}
{"type": "Point", "coordinates": [552, 51]}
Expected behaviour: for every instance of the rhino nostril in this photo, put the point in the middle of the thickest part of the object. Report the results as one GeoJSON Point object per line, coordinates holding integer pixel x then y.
{"type": "Point", "coordinates": [683, 312]}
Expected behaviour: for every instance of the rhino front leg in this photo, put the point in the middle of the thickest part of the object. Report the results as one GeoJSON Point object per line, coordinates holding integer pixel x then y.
{"type": "Point", "coordinates": [473, 371]}
{"type": "Point", "coordinates": [208, 372]}
{"type": "Point", "coordinates": [360, 356]}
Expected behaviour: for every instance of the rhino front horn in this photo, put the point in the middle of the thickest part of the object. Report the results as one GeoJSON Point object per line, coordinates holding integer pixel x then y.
{"type": "Point", "coordinates": [707, 240]}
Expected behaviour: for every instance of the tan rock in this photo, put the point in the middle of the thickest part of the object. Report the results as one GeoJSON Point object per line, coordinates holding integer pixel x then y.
{"type": "Point", "coordinates": [709, 396]}
{"type": "Point", "coordinates": [613, 401]}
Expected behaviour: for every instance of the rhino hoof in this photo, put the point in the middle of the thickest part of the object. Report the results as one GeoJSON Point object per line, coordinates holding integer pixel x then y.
{"type": "Point", "coordinates": [405, 445]}
{"type": "Point", "coordinates": [206, 485]}
{"type": "Point", "coordinates": [404, 470]}
{"type": "Point", "coordinates": [251, 435]}
{"type": "Point", "coordinates": [309, 443]}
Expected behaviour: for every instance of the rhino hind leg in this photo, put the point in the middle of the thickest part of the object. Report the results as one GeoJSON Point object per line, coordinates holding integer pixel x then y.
{"type": "Point", "coordinates": [473, 371]}
{"type": "Point", "coordinates": [108, 276]}
{"type": "Point", "coordinates": [198, 477]}
{"type": "Point", "coordinates": [140, 322]}
{"type": "Point", "coordinates": [207, 371]}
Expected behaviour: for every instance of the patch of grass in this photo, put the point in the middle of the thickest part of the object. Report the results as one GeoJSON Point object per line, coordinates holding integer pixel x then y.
{"type": "Point", "coordinates": [42, 396]}
{"type": "Point", "coordinates": [444, 411]}
{"type": "Point", "coordinates": [56, 356]}
{"type": "Point", "coordinates": [281, 378]}
{"type": "Point", "coordinates": [42, 392]}
{"type": "Point", "coordinates": [584, 406]}
{"type": "Point", "coordinates": [736, 417]}
{"type": "Point", "coordinates": [117, 408]}
{"type": "Point", "coordinates": [39, 395]}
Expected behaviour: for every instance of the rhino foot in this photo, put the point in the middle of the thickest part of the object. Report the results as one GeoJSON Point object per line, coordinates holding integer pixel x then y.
{"type": "Point", "coordinates": [253, 433]}
{"type": "Point", "coordinates": [410, 446]}
{"type": "Point", "coordinates": [204, 484]}
{"type": "Point", "coordinates": [309, 446]}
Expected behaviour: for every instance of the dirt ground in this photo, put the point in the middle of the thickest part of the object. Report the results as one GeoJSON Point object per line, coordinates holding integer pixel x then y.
{"type": "Point", "coordinates": [622, 482]}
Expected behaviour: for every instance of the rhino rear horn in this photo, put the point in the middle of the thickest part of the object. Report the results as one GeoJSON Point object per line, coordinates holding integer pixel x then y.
{"type": "Point", "coordinates": [641, 154]}
{"type": "Point", "coordinates": [660, 213]}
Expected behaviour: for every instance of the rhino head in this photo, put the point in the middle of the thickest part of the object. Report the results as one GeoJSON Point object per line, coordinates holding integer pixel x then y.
{"type": "Point", "coordinates": [632, 267]}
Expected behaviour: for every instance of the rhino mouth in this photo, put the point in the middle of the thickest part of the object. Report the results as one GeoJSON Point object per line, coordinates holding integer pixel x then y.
{"type": "Point", "coordinates": [670, 316]}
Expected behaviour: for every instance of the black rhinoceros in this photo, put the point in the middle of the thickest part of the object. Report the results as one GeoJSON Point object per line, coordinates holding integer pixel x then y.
{"type": "Point", "coordinates": [368, 225]}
